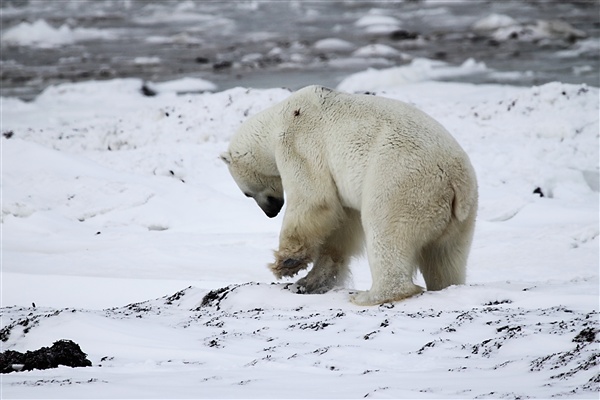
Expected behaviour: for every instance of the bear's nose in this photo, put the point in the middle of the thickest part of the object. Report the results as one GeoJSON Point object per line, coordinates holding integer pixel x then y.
{"type": "Point", "coordinates": [272, 207]}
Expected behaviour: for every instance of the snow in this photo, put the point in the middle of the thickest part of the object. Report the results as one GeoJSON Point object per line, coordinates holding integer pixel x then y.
{"type": "Point", "coordinates": [333, 45]}
{"type": "Point", "coordinates": [375, 23]}
{"type": "Point", "coordinates": [374, 19]}
{"type": "Point", "coordinates": [493, 22]}
{"type": "Point", "coordinates": [374, 50]}
{"type": "Point", "coordinates": [184, 85]}
{"type": "Point", "coordinates": [184, 15]}
{"type": "Point", "coordinates": [419, 70]}
{"type": "Point", "coordinates": [538, 31]}
{"type": "Point", "coordinates": [41, 34]}
{"type": "Point", "coordinates": [586, 46]}
{"type": "Point", "coordinates": [125, 229]}
{"type": "Point", "coordinates": [147, 60]}
{"type": "Point", "coordinates": [503, 27]}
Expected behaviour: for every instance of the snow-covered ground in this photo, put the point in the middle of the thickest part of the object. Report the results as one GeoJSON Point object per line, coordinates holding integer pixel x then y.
{"type": "Point", "coordinates": [122, 225]}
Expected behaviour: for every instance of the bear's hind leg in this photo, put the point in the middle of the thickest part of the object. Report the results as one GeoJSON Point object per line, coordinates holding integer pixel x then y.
{"type": "Point", "coordinates": [331, 265]}
{"type": "Point", "coordinates": [443, 263]}
{"type": "Point", "coordinates": [392, 262]}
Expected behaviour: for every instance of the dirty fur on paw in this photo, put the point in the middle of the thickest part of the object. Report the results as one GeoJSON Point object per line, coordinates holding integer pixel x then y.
{"type": "Point", "coordinates": [287, 267]}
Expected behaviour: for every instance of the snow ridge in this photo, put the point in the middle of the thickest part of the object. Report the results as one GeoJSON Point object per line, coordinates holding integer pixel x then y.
{"type": "Point", "coordinates": [242, 333]}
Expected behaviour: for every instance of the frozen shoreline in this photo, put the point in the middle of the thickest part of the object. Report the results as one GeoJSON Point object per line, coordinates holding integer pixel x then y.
{"type": "Point", "coordinates": [237, 43]}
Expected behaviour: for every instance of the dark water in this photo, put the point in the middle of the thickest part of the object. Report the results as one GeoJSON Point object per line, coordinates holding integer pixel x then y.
{"type": "Point", "coordinates": [272, 43]}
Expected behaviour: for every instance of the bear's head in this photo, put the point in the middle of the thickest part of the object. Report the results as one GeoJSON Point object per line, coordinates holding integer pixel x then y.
{"type": "Point", "coordinates": [265, 189]}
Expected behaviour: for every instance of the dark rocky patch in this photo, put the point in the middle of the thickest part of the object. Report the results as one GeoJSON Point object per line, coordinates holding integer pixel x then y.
{"type": "Point", "coordinates": [402, 34]}
{"type": "Point", "coordinates": [586, 335]}
{"type": "Point", "coordinates": [62, 352]}
{"type": "Point", "coordinates": [222, 65]}
{"type": "Point", "coordinates": [176, 296]}
{"type": "Point", "coordinates": [497, 302]}
{"type": "Point", "coordinates": [147, 91]}
{"type": "Point", "coordinates": [214, 297]}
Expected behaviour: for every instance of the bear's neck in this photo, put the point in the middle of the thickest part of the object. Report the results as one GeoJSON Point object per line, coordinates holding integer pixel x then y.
{"type": "Point", "coordinates": [265, 142]}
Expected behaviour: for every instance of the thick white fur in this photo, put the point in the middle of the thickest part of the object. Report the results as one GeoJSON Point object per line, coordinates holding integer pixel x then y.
{"type": "Point", "coordinates": [359, 169]}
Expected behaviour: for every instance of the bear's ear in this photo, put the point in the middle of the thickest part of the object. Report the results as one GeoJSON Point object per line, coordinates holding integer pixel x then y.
{"type": "Point", "coordinates": [226, 157]}
{"type": "Point", "coordinates": [323, 91]}
{"type": "Point", "coordinates": [322, 94]}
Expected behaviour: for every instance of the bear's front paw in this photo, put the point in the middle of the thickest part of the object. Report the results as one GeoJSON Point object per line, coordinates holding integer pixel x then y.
{"type": "Point", "coordinates": [288, 267]}
{"type": "Point", "coordinates": [311, 286]}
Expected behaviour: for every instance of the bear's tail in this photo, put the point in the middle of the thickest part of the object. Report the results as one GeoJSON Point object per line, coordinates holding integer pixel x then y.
{"type": "Point", "coordinates": [465, 199]}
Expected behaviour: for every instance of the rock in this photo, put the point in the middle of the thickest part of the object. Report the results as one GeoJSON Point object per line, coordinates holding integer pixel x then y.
{"type": "Point", "coordinates": [62, 352]}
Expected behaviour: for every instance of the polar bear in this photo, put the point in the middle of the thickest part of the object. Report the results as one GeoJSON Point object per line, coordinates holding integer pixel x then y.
{"type": "Point", "coordinates": [359, 169]}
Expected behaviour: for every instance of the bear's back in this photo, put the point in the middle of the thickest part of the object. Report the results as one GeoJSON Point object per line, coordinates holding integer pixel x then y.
{"type": "Point", "coordinates": [354, 133]}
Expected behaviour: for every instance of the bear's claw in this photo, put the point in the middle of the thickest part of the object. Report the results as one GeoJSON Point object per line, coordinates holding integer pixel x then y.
{"type": "Point", "coordinates": [287, 267]}
{"type": "Point", "coordinates": [291, 263]}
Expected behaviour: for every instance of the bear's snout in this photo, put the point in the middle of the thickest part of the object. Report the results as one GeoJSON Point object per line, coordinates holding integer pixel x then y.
{"type": "Point", "coordinates": [271, 206]}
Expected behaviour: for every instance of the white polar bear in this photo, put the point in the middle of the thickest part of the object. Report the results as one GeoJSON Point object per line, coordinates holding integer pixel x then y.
{"type": "Point", "coordinates": [359, 168]}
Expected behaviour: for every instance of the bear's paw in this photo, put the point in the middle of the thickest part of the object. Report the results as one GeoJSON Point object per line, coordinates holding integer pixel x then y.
{"type": "Point", "coordinates": [287, 267]}
{"type": "Point", "coordinates": [371, 298]}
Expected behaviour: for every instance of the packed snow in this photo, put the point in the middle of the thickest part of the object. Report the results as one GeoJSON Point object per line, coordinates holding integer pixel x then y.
{"type": "Point", "coordinates": [123, 231]}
